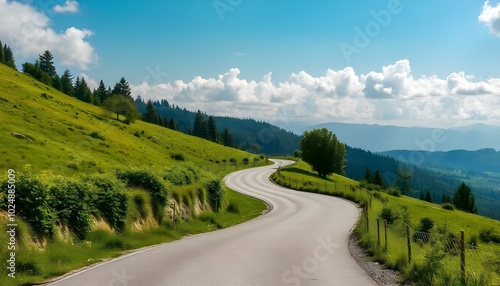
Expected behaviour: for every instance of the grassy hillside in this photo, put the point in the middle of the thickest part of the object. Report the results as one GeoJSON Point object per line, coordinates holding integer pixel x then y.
{"type": "Point", "coordinates": [435, 252]}
{"type": "Point", "coordinates": [59, 146]}
{"type": "Point", "coordinates": [61, 130]}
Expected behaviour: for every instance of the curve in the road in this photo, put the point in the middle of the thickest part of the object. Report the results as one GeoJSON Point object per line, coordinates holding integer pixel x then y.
{"type": "Point", "coordinates": [301, 241]}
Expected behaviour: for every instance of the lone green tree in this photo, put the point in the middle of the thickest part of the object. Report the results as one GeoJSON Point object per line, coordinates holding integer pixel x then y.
{"type": "Point", "coordinates": [464, 199]}
{"type": "Point", "coordinates": [322, 150]}
{"type": "Point", "coordinates": [120, 105]}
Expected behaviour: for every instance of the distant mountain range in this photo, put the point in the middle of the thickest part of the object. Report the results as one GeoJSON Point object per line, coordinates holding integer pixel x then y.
{"type": "Point", "coordinates": [379, 138]}
{"type": "Point", "coordinates": [484, 160]}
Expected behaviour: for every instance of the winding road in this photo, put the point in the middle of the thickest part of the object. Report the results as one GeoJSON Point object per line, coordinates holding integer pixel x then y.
{"type": "Point", "coordinates": [301, 241]}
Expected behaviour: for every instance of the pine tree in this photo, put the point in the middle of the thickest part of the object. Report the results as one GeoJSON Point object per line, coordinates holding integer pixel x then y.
{"type": "Point", "coordinates": [227, 138]}
{"type": "Point", "coordinates": [172, 125]}
{"type": "Point", "coordinates": [428, 197]}
{"type": "Point", "coordinates": [151, 115]}
{"type": "Point", "coordinates": [82, 91]}
{"type": "Point", "coordinates": [101, 93]}
{"type": "Point", "coordinates": [122, 87]}
{"type": "Point", "coordinates": [9, 57]}
{"type": "Point", "coordinates": [377, 179]}
{"type": "Point", "coordinates": [47, 63]}
{"type": "Point", "coordinates": [212, 129]}
{"type": "Point", "coordinates": [200, 127]}
{"type": "Point", "coordinates": [56, 82]}
{"type": "Point", "coordinates": [2, 58]}
{"type": "Point", "coordinates": [368, 176]}
{"type": "Point", "coordinates": [464, 199]}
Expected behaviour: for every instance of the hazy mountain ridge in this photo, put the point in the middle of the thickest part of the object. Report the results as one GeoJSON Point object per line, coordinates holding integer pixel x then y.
{"type": "Point", "coordinates": [386, 137]}
{"type": "Point", "coordinates": [484, 160]}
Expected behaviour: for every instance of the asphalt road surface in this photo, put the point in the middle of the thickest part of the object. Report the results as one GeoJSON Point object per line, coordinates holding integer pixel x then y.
{"type": "Point", "coordinates": [301, 241]}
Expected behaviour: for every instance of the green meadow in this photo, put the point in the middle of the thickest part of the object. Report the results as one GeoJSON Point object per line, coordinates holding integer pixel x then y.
{"type": "Point", "coordinates": [435, 253]}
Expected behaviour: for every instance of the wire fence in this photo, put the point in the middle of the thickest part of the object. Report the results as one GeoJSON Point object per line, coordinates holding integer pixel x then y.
{"type": "Point", "coordinates": [405, 245]}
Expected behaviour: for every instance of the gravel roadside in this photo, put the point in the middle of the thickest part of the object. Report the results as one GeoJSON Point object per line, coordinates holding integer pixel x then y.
{"type": "Point", "coordinates": [383, 276]}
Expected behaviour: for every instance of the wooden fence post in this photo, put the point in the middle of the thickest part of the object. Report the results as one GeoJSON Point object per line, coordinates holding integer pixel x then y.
{"type": "Point", "coordinates": [378, 232]}
{"type": "Point", "coordinates": [367, 219]}
{"type": "Point", "coordinates": [385, 232]}
{"type": "Point", "coordinates": [409, 242]}
{"type": "Point", "coordinates": [462, 254]}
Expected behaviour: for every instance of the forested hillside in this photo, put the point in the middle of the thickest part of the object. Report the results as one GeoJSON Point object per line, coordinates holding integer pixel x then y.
{"type": "Point", "coordinates": [248, 134]}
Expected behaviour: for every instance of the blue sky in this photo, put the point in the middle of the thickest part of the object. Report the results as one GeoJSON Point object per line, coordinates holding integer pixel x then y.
{"type": "Point", "coordinates": [278, 58]}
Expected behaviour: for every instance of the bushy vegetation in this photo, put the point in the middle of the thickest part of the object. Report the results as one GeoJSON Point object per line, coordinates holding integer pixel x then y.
{"type": "Point", "coordinates": [109, 199]}
{"type": "Point", "coordinates": [489, 235]}
{"type": "Point", "coordinates": [215, 194]}
{"type": "Point", "coordinates": [71, 202]}
{"type": "Point", "coordinates": [150, 183]}
{"type": "Point", "coordinates": [33, 203]}
{"type": "Point", "coordinates": [182, 174]}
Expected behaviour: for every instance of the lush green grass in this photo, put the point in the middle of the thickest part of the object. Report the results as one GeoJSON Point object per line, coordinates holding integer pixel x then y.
{"type": "Point", "coordinates": [448, 224]}
{"type": "Point", "coordinates": [70, 138]}
{"type": "Point", "coordinates": [60, 127]}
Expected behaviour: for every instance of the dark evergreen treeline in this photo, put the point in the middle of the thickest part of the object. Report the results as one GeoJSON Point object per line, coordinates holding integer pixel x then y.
{"type": "Point", "coordinates": [245, 134]}
{"type": "Point", "coordinates": [7, 56]}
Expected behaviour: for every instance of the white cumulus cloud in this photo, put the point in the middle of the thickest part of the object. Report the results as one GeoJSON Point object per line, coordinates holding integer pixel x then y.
{"type": "Point", "coordinates": [70, 6]}
{"type": "Point", "coordinates": [392, 94]}
{"type": "Point", "coordinates": [27, 30]}
{"type": "Point", "coordinates": [490, 16]}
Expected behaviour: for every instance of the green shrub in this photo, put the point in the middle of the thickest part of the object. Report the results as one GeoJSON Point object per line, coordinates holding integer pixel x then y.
{"type": "Point", "coordinates": [182, 174]}
{"type": "Point", "coordinates": [389, 215]}
{"type": "Point", "coordinates": [110, 200]}
{"type": "Point", "coordinates": [426, 224]}
{"type": "Point", "coordinates": [32, 203]}
{"type": "Point", "coordinates": [394, 192]}
{"type": "Point", "coordinates": [245, 161]}
{"type": "Point", "coordinates": [215, 194]}
{"type": "Point", "coordinates": [97, 135]}
{"type": "Point", "coordinates": [232, 207]}
{"type": "Point", "coordinates": [489, 235]}
{"type": "Point", "coordinates": [146, 180]}
{"type": "Point", "coordinates": [178, 157]}
{"type": "Point", "coordinates": [73, 166]}
{"type": "Point", "coordinates": [70, 199]}
{"type": "Point", "coordinates": [473, 240]}
{"type": "Point", "coordinates": [426, 273]}
{"type": "Point", "coordinates": [448, 206]}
